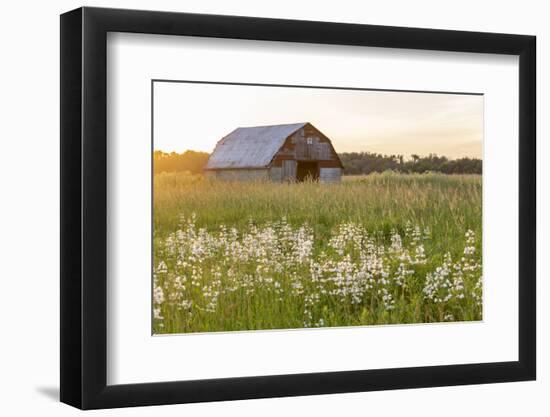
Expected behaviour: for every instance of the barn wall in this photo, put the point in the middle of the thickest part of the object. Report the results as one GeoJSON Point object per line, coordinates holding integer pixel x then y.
{"type": "Point", "coordinates": [288, 170]}
{"type": "Point", "coordinates": [330, 174]}
{"type": "Point", "coordinates": [308, 144]}
{"type": "Point", "coordinates": [239, 174]}
{"type": "Point", "coordinates": [276, 174]}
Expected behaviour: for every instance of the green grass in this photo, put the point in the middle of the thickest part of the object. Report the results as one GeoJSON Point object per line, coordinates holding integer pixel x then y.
{"type": "Point", "coordinates": [377, 206]}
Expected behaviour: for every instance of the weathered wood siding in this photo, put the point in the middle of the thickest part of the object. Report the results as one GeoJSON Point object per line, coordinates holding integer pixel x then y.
{"type": "Point", "coordinates": [276, 174]}
{"type": "Point", "coordinates": [239, 174]}
{"type": "Point", "coordinates": [330, 174]}
{"type": "Point", "coordinates": [288, 170]}
{"type": "Point", "coordinates": [312, 148]}
{"type": "Point", "coordinates": [308, 144]}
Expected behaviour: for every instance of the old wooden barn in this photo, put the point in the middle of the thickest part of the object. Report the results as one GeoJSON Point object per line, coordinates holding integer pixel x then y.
{"type": "Point", "coordinates": [289, 152]}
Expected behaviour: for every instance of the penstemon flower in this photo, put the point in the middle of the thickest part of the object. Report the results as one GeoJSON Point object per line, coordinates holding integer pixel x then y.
{"type": "Point", "coordinates": [201, 272]}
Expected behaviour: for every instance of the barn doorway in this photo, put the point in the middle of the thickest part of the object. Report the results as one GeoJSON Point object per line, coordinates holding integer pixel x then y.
{"type": "Point", "coordinates": [307, 171]}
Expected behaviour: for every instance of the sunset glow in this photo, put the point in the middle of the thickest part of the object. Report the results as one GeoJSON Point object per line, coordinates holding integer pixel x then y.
{"type": "Point", "coordinates": [195, 116]}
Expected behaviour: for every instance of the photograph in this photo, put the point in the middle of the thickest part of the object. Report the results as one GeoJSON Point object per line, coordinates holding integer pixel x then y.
{"type": "Point", "coordinates": [285, 204]}
{"type": "Point", "coordinates": [279, 207]}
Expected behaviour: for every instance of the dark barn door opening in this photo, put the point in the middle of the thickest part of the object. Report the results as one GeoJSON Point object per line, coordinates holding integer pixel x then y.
{"type": "Point", "coordinates": [307, 171]}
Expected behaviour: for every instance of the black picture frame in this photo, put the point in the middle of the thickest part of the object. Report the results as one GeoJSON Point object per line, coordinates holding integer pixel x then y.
{"type": "Point", "coordinates": [84, 207]}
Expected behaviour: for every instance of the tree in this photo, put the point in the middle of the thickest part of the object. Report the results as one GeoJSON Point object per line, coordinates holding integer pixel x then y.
{"type": "Point", "coordinates": [361, 163]}
{"type": "Point", "coordinates": [190, 161]}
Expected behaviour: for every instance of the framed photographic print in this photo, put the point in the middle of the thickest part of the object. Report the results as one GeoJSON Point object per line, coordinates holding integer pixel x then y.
{"type": "Point", "coordinates": [256, 207]}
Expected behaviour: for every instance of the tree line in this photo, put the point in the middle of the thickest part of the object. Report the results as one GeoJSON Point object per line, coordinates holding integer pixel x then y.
{"type": "Point", "coordinates": [191, 161]}
{"type": "Point", "coordinates": [355, 163]}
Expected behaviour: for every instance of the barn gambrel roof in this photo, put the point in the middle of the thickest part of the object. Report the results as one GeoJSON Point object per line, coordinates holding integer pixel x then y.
{"type": "Point", "coordinates": [250, 147]}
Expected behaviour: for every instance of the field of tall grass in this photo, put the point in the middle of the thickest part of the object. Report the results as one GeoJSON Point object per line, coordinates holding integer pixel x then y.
{"type": "Point", "coordinates": [378, 249]}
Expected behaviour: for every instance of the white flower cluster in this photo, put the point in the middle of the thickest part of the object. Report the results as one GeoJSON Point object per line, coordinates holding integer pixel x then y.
{"type": "Point", "coordinates": [447, 281]}
{"type": "Point", "coordinates": [196, 269]}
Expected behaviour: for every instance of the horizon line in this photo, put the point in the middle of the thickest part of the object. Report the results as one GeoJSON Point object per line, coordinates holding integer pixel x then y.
{"type": "Point", "coordinates": [348, 152]}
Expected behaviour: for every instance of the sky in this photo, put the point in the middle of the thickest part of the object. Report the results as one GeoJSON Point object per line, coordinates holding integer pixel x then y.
{"type": "Point", "coordinates": [195, 116]}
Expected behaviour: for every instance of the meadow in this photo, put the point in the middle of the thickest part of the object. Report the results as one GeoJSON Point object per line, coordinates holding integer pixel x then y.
{"type": "Point", "coordinates": [378, 249]}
